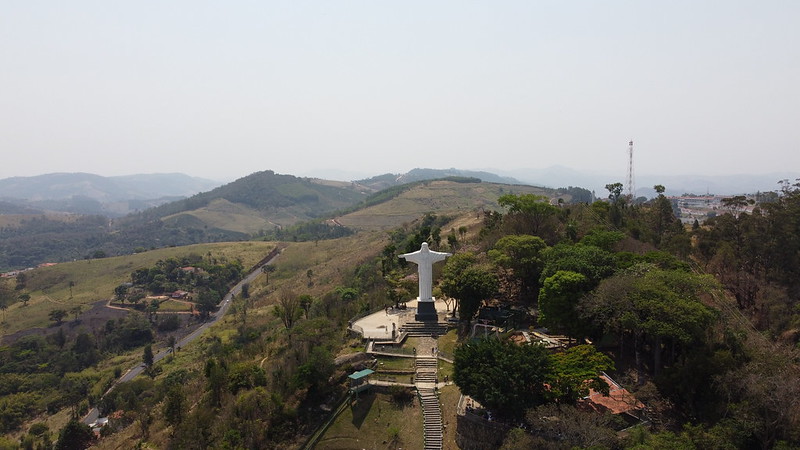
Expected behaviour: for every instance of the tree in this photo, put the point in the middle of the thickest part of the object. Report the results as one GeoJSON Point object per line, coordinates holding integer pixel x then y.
{"type": "Point", "coordinates": [662, 217]}
{"type": "Point", "coordinates": [120, 292]}
{"type": "Point", "coordinates": [174, 404]}
{"type": "Point", "coordinates": [736, 204]}
{"type": "Point", "coordinates": [530, 211]}
{"type": "Point", "coordinates": [310, 275]}
{"type": "Point", "coordinates": [501, 375]}
{"type": "Point", "coordinates": [648, 305]}
{"type": "Point", "coordinates": [71, 285]}
{"type": "Point", "coordinates": [398, 289]}
{"type": "Point", "coordinates": [592, 262]}
{"type": "Point", "coordinates": [306, 301]}
{"type": "Point", "coordinates": [152, 308]}
{"type": "Point", "coordinates": [240, 307]}
{"type": "Point", "coordinates": [614, 192]}
{"type": "Point", "coordinates": [452, 241]}
{"type": "Point", "coordinates": [575, 371]}
{"type": "Point", "coordinates": [314, 373]}
{"type": "Point", "coordinates": [75, 435]}
{"type": "Point", "coordinates": [57, 315]}
{"type": "Point", "coordinates": [148, 360]}
{"type": "Point", "coordinates": [347, 294]}
{"type": "Point", "coordinates": [571, 427]}
{"type": "Point", "coordinates": [6, 298]}
{"type": "Point", "coordinates": [470, 287]}
{"type": "Point", "coordinates": [266, 269]}
{"type": "Point", "coordinates": [75, 388]}
{"type": "Point", "coordinates": [603, 239]}
{"type": "Point", "coordinates": [558, 301]}
{"type": "Point", "coordinates": [453, 267]}
{"type": "Point", "coordinates": [288, 308]}
{"type": "Point", "coordinates": [207, 302]}
{"type": "Point", "coordinates": [246, 290]}
{"type": "Point", "coordinates": [171, 343]}
{"type": "Point", "coordinates": [22, 281]}
{"type": "Point", "coordinates": [76, 311]}
{"type": "Point", "coordinates": [764, 395]}
{"type": "Point", "coordinates": [24, 298]}
{"type": "Point", "coordinates": [522, 255]}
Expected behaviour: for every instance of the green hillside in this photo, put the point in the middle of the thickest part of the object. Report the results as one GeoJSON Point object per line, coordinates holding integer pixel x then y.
{"type": "Point", "coordinates": [81, 283]}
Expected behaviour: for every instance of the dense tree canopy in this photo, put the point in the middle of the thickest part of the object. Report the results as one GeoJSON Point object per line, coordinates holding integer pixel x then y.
{"type": "Point", "coordinates": [522, 256]}
{"type": "Point", "coordinates": [502, 376]}
{"type": "Point", "coordinates": [558, 302]}
{"type": "Point", "coordinates": [469, 284]}
{"type": "Point", "coordinates": [509, 378]}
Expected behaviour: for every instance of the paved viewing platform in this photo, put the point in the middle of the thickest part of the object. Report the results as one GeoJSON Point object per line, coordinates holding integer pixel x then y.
{"type": "Point", "coordinates": [387, 326]}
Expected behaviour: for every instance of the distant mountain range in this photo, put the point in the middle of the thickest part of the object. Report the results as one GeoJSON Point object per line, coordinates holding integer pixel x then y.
{"type": "Point", "coordinates": [86, 193]}
{"type": "Point", "coordinates": [176, 209]}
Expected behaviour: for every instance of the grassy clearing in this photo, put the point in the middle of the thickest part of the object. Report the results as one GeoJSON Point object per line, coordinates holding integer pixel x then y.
{"type": "Point", "coordinates": [448, 342]}
{"type": "Point", "coordinates": [389, 363]}
{"type": "Point", "coordinates": [445, 369]}
{"type": "Point", "coordinates": [373, 422]}
{"type": "Point", "coordinates": [327, 261]}
{"type": "Point", "coordinates": [81, 283]}
{"type": "Point", "coordinates": [174, 306]}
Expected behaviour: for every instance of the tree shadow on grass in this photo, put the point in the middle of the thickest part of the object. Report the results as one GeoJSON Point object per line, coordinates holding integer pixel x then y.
{"type": "Point", "coordinates": [361, 407]}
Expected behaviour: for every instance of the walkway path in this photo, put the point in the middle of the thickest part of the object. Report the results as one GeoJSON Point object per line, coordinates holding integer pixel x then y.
{"type": "Point", "coordinates": [426, 379]}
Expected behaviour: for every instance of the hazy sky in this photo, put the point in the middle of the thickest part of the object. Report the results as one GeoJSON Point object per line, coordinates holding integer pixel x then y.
{"type": "Point", "coordinates": [223, 89]}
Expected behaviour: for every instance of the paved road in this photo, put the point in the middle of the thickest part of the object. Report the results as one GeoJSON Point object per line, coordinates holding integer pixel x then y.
{"type": "Point", "coordinates": [94, 414]}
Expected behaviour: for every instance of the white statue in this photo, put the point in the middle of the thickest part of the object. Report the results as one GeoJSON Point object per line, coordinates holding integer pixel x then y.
{"type": "Point", "coordinates": [424, 258]}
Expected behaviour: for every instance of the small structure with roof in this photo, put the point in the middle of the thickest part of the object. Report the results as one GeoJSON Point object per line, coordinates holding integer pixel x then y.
{"type": "Point", "coordinates": [359, 380]}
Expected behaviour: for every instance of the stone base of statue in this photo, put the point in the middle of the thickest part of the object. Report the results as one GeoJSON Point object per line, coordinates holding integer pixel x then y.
{"type": "Point", "coordinates": [426, 311]}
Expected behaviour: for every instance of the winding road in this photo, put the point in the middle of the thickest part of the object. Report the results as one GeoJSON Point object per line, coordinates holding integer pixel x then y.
{"type": "Point", "coordinates": [94, 414]}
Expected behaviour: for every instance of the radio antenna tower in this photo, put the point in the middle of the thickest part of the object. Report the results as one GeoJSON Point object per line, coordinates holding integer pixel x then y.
{"type": "Point", "coordinates": [631, 187]}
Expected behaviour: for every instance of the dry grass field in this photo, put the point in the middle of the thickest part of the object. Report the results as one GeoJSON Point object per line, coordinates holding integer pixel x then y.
{"type": "Point", "coordinates": [441, 197]}
{"type": "Point", "coordinates": [225, 215]}
{"type": "Point", "coordinates": [95, 279]}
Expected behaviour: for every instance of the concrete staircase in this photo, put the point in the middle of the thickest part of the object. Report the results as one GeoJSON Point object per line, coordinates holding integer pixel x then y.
{"type": "Point", "coordinates": [424, 329]}
{"type": "Point", "coordinates": [426, 369]}
{"type": "Point", "coordinates": [432, 416]}
{"type": "Point", "coordinates": [425, 380]}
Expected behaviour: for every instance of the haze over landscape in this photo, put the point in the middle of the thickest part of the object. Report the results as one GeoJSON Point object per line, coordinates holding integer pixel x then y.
{"type": "Point", "coordinates": [351, 90]}
{"type": "Point", "coordinates": [349, 225]}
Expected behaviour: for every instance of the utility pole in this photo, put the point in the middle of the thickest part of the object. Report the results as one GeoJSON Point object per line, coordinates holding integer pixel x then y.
{"type": "Point", "coordinates": [630, 186]}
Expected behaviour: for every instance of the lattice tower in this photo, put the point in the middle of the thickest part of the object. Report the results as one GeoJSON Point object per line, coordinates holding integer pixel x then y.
{"type": "Point", "coordinates": [630, 185]}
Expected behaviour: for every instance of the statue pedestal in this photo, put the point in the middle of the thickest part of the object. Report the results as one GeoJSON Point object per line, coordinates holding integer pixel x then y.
{"type": "Point", "coordinates": [426, 312]}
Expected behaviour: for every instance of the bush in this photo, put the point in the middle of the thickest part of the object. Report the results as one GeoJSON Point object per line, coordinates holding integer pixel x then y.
{"type": "Point", "coordinates": [170, 322]}
{"type": "Point", "coordinates": [401, 394]}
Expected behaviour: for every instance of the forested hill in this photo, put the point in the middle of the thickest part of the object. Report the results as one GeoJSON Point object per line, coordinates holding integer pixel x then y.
{"type": "Point", "coordinates": [306, 198]}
